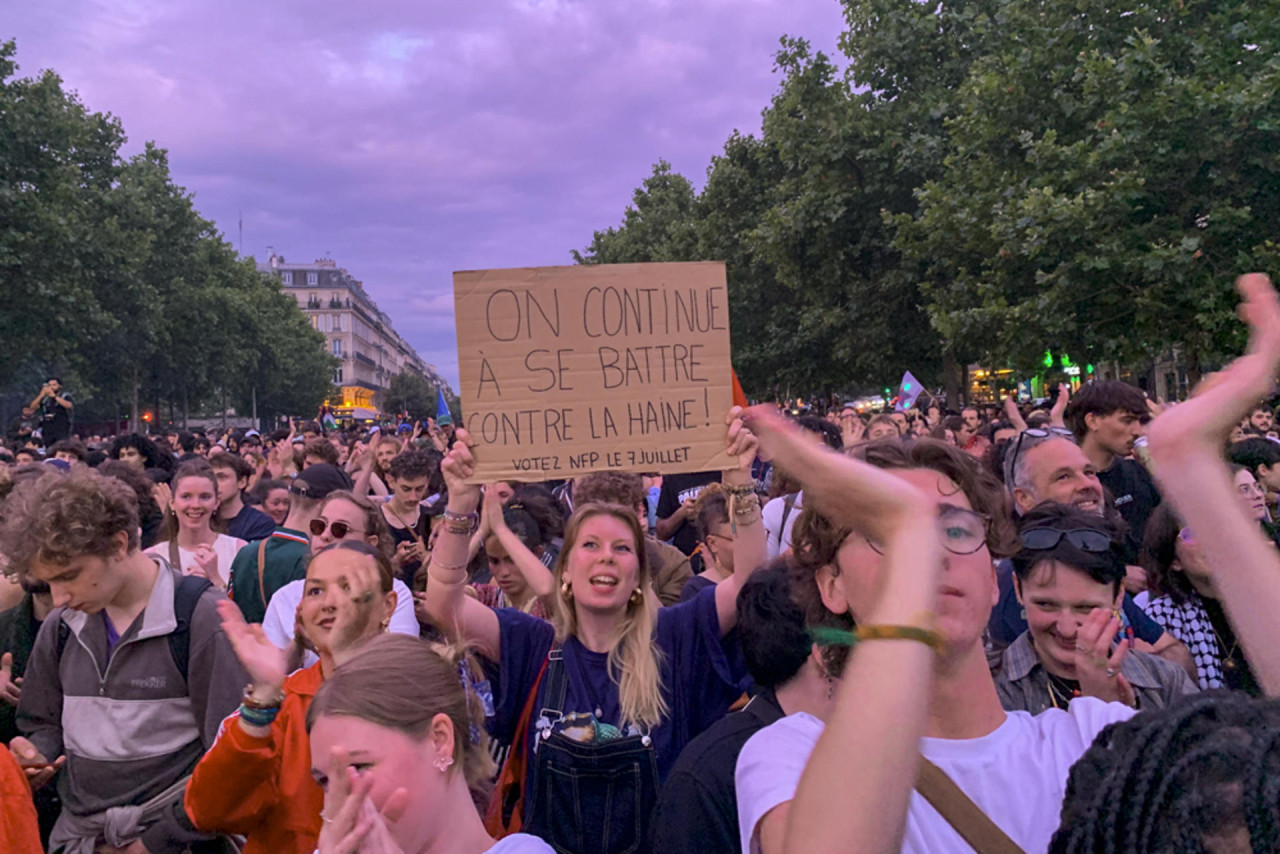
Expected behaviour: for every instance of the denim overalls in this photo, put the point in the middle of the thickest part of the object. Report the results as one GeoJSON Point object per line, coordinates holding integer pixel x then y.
{"type": "Point", "coordinates": [589, 798]}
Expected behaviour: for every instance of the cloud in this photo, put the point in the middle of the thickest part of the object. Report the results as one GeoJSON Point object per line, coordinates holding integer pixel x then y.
{"type": "Point", "coordinates": [409, 140]}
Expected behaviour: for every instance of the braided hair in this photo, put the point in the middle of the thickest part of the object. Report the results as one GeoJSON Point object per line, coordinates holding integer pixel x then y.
{"type": "Point", "coordinates": [1168, 782]}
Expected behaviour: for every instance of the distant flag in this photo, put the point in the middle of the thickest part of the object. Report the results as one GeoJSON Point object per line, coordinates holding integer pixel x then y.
{"type": "Point", "coordinates": [739, 396]}
{"type": "Point", "coordinates": [329, 422]}
{"type": "Point", "coordinates": [443, 417]}
{"type": "Point", "coordinates": [908, 392]}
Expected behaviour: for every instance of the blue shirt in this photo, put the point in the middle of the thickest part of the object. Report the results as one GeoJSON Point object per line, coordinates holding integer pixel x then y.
{"type": "Point", "coordinates": [702, 675]}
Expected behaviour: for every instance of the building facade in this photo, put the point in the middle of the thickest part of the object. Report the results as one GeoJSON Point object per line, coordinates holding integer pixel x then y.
{"type": "Point", "coordinates": [356, 331]}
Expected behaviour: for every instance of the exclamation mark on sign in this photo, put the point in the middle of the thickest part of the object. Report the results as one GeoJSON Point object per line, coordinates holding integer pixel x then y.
{"type": "Point", "coordinates": [706, 404]}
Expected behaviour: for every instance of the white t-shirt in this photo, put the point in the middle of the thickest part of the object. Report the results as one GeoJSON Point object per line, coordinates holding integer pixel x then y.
{"type": "Point", "coordinates": [771, 515]}
{"type": "Point", "coordinates": [225, 547]}
{"type": "Point", "coordinates": [277, 625]}
{"type": "Point", "coordinates": [1017, 774]}
{"type": "Point", "coordinates": [520, 843]}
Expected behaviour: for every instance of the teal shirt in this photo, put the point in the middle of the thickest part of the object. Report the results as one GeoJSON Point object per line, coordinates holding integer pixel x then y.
{"type": "Point", "coordinates": [285, 555]}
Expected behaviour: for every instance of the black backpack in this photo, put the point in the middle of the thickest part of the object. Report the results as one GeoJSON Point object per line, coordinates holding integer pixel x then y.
{"type": "Point", "coordinates": [185, 596]}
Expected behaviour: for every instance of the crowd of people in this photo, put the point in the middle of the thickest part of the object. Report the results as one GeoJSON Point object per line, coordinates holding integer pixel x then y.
{"type": "Point", "coordinates": [1000, 629]}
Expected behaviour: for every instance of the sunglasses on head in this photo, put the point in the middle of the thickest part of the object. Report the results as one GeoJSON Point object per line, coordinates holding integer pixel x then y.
{"type": "Point", "coordinates": [1041, 539]}
{"type": "Point", "coordinates": [338, 529]}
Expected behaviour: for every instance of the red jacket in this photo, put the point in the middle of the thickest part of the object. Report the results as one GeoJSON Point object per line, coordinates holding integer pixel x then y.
{"type": "Point", "coordinates": [19, 831]}
{"type": "Point", "coordinates": [262, 787]}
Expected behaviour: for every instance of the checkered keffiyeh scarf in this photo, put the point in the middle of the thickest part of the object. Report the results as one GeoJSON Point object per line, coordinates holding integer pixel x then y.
{"type": "Point", "coordinates": [1189, 623]}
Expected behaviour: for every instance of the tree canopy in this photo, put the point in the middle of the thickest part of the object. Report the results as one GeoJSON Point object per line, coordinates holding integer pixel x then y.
{"type": "Point", "coordinates": [986, 180]}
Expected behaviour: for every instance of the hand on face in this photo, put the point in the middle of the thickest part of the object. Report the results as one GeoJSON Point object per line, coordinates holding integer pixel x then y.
{"type": "Point", "coordinates": [1097, 666]}
{"type": "Point", "coordinates": [352, 824]}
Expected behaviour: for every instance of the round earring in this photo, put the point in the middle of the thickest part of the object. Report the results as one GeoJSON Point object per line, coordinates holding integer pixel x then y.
{"type": "Point", "coordinates": [566, 590]}
{"type": "Point", "coordinates": [385, 624]}
{"type": "Point", "coordinates": [636, 596]}
{"type": "Point", "coordinates": [443, 763]}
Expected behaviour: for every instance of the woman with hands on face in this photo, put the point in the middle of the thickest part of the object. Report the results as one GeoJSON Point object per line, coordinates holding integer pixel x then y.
{"type": "Point", "coordinates": [397, 746]}
{"type": "Point", "coordinates": [256, 779]}
{"type": "Point", "coordinates": [638, 682]}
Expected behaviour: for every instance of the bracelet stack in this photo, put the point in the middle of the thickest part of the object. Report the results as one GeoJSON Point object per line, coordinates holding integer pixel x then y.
{"type": "Point", "coordinates": [259, 713]}
{"type": "Point", "coordinates": [462, 524]}
{"type": "Point", "coordinates": [744, 505]}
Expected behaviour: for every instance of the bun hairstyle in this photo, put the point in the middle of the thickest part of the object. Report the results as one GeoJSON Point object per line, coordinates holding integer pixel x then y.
{"type": "Point", "coordinates": [401, 683]}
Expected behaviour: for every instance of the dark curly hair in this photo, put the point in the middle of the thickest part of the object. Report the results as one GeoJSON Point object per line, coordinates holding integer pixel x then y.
{"type": "Point", "coordinates": [1206, 768]}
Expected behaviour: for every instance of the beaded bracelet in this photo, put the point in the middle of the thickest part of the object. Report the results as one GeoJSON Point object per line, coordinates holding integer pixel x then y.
{"type": "Point", "coordinates": [740, 491]}
{"type": "Point", "coordinates": [829, 636]}
{"type": "Point", "coordinates": [254, 703]}
{"type": "Point", "coordinates": [258, 717]}
{"type": "Point", "coordinates": [461, 524]}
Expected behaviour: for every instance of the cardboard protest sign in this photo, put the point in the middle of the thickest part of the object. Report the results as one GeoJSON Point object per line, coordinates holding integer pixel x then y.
{"type": "Point", "coordinates": [570, 370]}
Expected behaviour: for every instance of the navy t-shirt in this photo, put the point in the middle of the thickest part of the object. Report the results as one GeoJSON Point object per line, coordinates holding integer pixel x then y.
{"type": "Point", "coordinates": [250, 524]}
{"type": "Point", "coordinates": [702, 675]}
{"type": "Point", "coordinates": [1008, 619]}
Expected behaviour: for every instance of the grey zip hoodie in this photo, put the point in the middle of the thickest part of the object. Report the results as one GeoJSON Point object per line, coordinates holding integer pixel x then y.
{"type": "Point", "coordinates": [129, 725]}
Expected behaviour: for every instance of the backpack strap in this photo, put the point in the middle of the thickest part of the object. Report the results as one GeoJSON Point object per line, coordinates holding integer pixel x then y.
{"type": "Point", "coordinates": [262, 566]}
{"type": "Point", "coordinates": [788, 504]}
{"type": "Point", "coordinates": [186, 595]}
{"type": "Point", "coordinates": [965, 817]}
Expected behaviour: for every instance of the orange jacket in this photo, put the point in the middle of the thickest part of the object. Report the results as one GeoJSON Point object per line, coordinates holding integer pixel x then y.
{"type": "Point", "coordinates": [19, 830]}
{"type": "Point", "coordinates": [262, 788]}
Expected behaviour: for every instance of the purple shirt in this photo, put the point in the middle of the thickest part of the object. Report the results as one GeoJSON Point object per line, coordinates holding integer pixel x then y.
{"type": "Point", "coordinates": [113, 637]}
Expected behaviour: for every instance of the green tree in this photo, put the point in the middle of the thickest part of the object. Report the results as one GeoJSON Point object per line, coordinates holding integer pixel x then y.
{"type": "Point", "coordinates": [659, 225]}
{"type": "Point", "coordinates": [1110, 170]}
{"type": "Point", "coordinates": [412, 393]}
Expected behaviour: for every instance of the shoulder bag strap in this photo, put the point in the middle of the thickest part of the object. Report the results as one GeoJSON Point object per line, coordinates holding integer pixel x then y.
{"type": "Point", "coordinates": [788, 504]}
{"type": "Point", "coordinates": [262, 567]}
{"type": "Point", "coordinates": [175, 557]}
{"type": "Point", "coordinates": [966, 817]}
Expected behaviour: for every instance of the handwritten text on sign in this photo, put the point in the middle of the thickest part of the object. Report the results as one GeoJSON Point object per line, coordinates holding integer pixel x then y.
{"type": "Point", "coordinates": [569, 370]}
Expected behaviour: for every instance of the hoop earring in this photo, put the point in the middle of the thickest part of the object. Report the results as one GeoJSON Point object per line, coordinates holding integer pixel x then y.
{"type": "Point", "coordinates": [443, 763]}
{"type": "Point", "coordinates": [385, 624]}
{"type": "Point", "coordinates": [636, 596]}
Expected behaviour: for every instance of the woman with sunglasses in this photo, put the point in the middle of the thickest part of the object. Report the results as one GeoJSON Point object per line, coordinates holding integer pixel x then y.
{"type": "Point", "coordinates": [1069, 577]}
{"type": "Point", "coordinates": [256, 779]}
{"type": "Point", "coordinates": [715, 533]}
{"type": "Point", "coordinates": [343, 517]}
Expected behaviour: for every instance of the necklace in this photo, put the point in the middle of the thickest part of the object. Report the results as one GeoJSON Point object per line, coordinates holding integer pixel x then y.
{"type": "Point", "coordinates": [1228, 657]}
{"type": "Point", "coordinates": [1061, 690]}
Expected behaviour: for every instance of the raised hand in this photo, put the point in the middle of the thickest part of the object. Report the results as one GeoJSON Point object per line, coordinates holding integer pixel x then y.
{"type": "Point", "coordinates": [1060, 406]}
{"type": "Point", "coordinates": [741, 444]}
{"type": "Point", "coordinates": [163, 494]}
{"type": "Point", "coordinates": [1097, 665]}
{"type": "Point", "coordinates": [206, 566]}
{"type": "Point", "coordinates": [10, 688]}
{"type": "Point", "coordinates": [266, 664]}
{"type": "Point", "coordinates": [459, 465]}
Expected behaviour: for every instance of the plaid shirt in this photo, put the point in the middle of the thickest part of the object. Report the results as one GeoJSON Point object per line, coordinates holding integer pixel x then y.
{"type": "Point", "coordinates": [1023, 684]}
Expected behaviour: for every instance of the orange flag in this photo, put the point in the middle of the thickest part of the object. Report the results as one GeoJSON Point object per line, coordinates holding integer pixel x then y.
{"type": "Point", "coordinates": [739, 396]}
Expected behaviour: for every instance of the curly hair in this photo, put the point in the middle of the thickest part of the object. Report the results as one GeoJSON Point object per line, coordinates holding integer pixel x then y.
{"type": "Point", "coordinates": [1207, 768]}
{"type": "Point", "coordinates": [60, 517]}
{"type": "Point", "coordinates": [816, 539]}
{"type": "Point", "coordinates": [411, 464]}
{"type": "Point", "coordinates": [610, 487]}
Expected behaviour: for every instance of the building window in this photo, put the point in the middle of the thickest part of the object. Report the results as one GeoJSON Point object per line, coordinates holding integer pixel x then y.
{"type": "Point", "coordinates": [337, 347]}
{"type": "Point", "coordinates": [337, 323]}
{"type": "Point", "coordinates": [287, 277]}
{"type": "Point", "coordinates": [337, 377]}
{"type": "Point", "coordinates": [313, 279]}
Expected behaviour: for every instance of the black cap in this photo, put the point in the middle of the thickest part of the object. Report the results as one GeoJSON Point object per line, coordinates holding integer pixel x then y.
{"type": "Point", "coordinates": [317, 481]}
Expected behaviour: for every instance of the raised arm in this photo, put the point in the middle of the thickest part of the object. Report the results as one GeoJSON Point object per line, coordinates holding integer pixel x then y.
{"type": "Point", "coordinates": [750, 550]}
{"type": "Point", "coordinates": [883, 698]}
{"type": "Point", "coordinates": [454, 612]}
{"type": "Point", "coordinates": [535, 574]}
{"type": "Point", "coordinates": [1186, 453]}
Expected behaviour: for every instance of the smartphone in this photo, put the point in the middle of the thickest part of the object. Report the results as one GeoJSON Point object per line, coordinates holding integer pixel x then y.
{"type": "Point", "coordinates": [35, 766]}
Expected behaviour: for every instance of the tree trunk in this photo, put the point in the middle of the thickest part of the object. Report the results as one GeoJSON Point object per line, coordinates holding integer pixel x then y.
{"type": "Point", "coordinates": [185, 410]}
{"type": "Point", "coordinates": [950, 373]}
{"type": "Point", "coordinates": [133, 404]}
{"type": "Point", "coordinates": [1194, 369]}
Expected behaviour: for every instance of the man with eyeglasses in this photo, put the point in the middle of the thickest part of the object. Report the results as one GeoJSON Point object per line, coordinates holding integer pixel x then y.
{"type": "Point", "coordinates": [262, 568]}
{"type": "Point", "coordinates": [1046, 465]}
{"type": "Point", "coordinates": [1068, 576]}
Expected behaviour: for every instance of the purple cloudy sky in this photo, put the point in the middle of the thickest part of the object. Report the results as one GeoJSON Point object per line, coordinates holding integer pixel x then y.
{"type": "Point", "coordinates": [409, 139]}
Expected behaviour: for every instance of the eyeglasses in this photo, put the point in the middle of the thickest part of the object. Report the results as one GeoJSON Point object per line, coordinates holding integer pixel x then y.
{"type": "Point", "coordinates": [720, 537]}
{"type": "Point", "coordinates": [1041, 539]}
{"type": "Point", "coordinates": [338, 529]}
{"type": "Point", "coordinates": [1034, 433]}
{"type": "Point", "coordinates": [963, 531]}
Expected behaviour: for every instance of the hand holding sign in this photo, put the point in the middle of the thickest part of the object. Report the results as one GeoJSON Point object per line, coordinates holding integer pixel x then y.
{"type": "Point", "coordinates": [569, 370]}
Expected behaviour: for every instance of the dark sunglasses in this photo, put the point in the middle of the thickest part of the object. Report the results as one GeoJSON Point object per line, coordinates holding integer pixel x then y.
{"type": "Point", "coordinates": [339, 529]}
{"type": "Point", "coordinates": [1042, 539]}
{"type": "Point", "coordinates": [1036, 433]}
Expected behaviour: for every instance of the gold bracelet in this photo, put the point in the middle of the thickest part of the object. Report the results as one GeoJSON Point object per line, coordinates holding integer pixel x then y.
{"type": "Point", "coordinates": [740, 491]}
{"type": "Point", "coordinates": [446, 568]}
{"type": "Point", "coordinates": [743, 506]}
